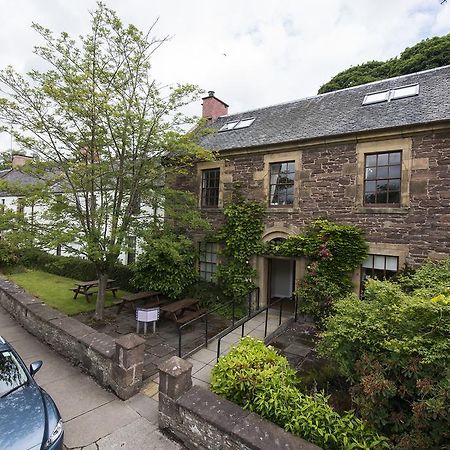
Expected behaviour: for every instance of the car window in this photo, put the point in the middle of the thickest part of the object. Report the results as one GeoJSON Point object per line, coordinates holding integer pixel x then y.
{"type": "Point", "coordinates": [11, 373]}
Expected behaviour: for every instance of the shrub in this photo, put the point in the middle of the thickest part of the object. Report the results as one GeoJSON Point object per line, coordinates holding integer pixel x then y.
{"type": "Point", "coordinates": [72, 267]}
{"type": "Point", "coordinates": [8, 254]}
{"type": "Point", "coordinates": [260, 380]}
{"type": "Point", "coordinates": [395, 348]}
{"type": "Point", "coordinates": [167, 264]}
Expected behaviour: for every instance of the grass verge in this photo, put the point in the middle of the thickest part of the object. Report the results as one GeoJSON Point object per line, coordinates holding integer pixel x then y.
{"type": "Point", "coordinates": [54, 290]}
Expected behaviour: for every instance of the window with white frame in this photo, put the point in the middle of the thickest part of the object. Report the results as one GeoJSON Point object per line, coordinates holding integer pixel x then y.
{"type": "Point", "coordinates": [208, 260]}
{"type": "Point", "coordinates": [381, 267]}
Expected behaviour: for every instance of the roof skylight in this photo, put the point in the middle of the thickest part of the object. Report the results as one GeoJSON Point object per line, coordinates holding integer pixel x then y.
{"type": "Point", "coordinates": [376, 97]}
{"type": "Point", "coordinates": [392, 94]}
{"type": "Point", "coordinates": [236, 124]}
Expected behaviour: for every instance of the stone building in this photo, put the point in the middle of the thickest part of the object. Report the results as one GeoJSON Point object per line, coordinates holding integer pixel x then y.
{"type": "Point", "coordinates": [376, 156]}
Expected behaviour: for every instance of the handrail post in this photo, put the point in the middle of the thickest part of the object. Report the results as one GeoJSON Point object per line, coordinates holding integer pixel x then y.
{"type": "Point", "coordinates": [249, 303]}
{"type": "Point", "coordinates": [218, 349]}
{"type": "Point", "coordinates": [233, 309]}
{"type": "Point", "coordinates": [257, 297]}
{"type": "Point", "coordinates": [296, 307]}
{"type": "Point", "coordinates": [179, 342]}
{"type": "Point", "coordinates": [242, 331]}
{"type": "Point", "coordinates": [281, 311]}
{"type": "Point", "coordinates": [206, 330]}
{"type": "Point", "coordinates": [267, 318]}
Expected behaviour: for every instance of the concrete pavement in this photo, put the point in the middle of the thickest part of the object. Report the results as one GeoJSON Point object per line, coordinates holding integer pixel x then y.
{"type": "Point", "coordinates": [94, 419]}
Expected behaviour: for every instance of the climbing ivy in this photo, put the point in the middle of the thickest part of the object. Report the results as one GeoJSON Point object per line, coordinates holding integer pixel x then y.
{"type": "Point", "coordinates": [241, 236]}
{"type": "Point", "coordinates": [334, 251]}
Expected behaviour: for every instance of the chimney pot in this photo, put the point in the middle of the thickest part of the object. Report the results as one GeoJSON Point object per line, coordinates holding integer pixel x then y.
{"type": "Point", "coordinates": [213, 107]}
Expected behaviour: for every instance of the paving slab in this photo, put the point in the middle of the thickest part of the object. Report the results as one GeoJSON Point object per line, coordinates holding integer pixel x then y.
{"type": "Point", "coordinates": [98, 423]}
{"type": "Point", "coordinates": [298, 349]}
{"type": "Point", "coordinates": [204, 374]}
{"type": "Point", "coordinates": [204, 355]}
{"type": "Point", "coordinates": [85, 395]}
{"type": "Point", "coordinates": [145, 406]}
{"type": "Point", "coordinates": [144, 437]}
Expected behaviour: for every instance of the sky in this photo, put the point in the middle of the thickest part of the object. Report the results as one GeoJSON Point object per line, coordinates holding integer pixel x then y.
{"type": "Point", "coordinates": [252, 53]}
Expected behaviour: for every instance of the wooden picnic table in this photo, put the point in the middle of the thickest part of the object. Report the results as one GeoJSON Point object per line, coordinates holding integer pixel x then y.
{"type": "Point", "coordinates": [183, 311]}
{"type": "Point", "coordinates": [132, 299]}
{"type": "Point", "coordinates": [83, 288]}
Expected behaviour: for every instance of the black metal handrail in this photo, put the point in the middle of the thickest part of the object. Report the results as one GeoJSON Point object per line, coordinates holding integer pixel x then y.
{"type": "Point", "coordinates": [244, 320]}
{"type": "Point", "coordinates": [204, 317]}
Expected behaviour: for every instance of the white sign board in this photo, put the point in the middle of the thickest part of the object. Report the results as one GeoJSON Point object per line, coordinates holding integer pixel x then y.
{"type": "Point", "coordinates": [147, 315]}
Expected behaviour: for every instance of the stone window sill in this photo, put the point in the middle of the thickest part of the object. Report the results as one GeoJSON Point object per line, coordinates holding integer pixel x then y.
{"type": "Point", "coordinates": [375, 210]}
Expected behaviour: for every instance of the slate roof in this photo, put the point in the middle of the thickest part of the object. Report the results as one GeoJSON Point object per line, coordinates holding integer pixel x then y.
{"type": "Point", "coordinates": [340, 112]}
{"type": "Point", "coordinates": [17, 177]}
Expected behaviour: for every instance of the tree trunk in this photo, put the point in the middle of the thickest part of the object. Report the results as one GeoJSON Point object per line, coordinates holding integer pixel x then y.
{"type": "Point", "coordinates": [100, 304]}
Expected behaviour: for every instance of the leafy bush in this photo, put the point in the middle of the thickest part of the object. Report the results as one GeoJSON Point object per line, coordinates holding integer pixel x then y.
{"type": "Point", "coordinates": [72, 267]}
{"type": "Point", "coordinates": [428, 280]}
{"type": "Point", "coordinates": [8, 254]}
{"type": "Point", "coordinates": [395, 348]}
{"type": "Point", "coordinates": [260, 380]}
{"type": "Point", "coordinates": [167, 264]}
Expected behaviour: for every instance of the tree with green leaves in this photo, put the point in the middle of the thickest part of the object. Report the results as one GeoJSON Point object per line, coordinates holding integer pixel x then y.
{"type": "Point", "coordinates": [108, 136]}
{"type": "Point", "coordinates": [427, 54]}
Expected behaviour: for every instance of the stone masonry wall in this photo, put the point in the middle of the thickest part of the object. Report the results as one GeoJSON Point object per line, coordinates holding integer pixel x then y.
{"type": "Point", "coordinates": [327, 184]}
{"type": "Point", "coordinates": [202, 420]}
{"type": "Point", "coordinates": [114, 364]}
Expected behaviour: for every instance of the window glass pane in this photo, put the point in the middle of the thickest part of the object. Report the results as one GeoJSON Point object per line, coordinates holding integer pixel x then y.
{"type": "Point", "coordinates": [244, 123]}
{"type": "Point", "coordinates": [371, 186]}
{"type": "Point", "coordinates": [382, 186]}
{"type": "Point", "coordinates": [275, 168]}
{"type": "Point", "coordinates": [368, 262]}
{"type": "Point", "coordinates": [383, 159]}
{"type": "Point", "coordinates": [382, 172]}
{"type": "Point", "coordinates": [273, 179]}
{"type": "Point", "coordinates": [394, 157]}
{"type": "Point", "coordinates": [369, 198]}
{"type": "Point", "coordinates": [291, 166]}
{"type": "Point", "coordinates": [403, 92]}
{"type": "Point", "coordinates": [394, 185]}
{"type": "Point", "coordinates": [394, 172]}
{"type": "Point", "coordinates": [381, 197]}
{"type": "Point", "coordinates": [376, 97]}
{"type": "Point", "coordinates": [371, 160]}
{"type": "Point", "coordinates": [392, 263]}
{"type": "Point", "coordinates": [394, 197]}
{"type": "Point", "coordinates": [378, 262]}
{"type": "Point", "coordinates": [371, 173]}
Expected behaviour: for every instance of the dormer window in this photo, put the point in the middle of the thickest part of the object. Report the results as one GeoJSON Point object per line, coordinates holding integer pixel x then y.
{"type": "Point", "coordinates": [237, 124]}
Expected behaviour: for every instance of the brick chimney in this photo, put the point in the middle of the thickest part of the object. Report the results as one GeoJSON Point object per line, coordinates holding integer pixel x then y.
{"type": "Point", "coordinates": [20, 160]}
{"type": "Point", "coordinates": [213, 107]}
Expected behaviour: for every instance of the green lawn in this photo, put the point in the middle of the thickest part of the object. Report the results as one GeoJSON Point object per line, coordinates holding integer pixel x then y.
{"type": "Point", "coordinates": [55, 291]}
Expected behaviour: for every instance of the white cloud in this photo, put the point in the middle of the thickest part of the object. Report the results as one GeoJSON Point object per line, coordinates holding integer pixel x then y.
{"type": "Point", "coordinates": [274, 51]}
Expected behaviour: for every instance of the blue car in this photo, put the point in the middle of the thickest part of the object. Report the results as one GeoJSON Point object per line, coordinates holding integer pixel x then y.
{"type": "Point", "coordinates": [29, 418]}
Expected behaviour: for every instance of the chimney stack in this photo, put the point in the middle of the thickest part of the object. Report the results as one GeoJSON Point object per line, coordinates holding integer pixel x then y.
{"type": "Point", "coordinates": [213, 107]}
{"type": "Point", "coordinates": [20, 160]}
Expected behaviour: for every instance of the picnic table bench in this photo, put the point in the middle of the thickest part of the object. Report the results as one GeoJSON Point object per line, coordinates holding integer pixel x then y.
{"type": "Point", "coordinates": [182, 311]}
{"type": "Point", "coordinates": [84, 288]}
{"type": "Point", "coordinates": [132, 299]}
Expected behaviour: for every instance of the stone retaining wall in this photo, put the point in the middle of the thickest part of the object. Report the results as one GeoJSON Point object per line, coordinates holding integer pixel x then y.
{"type": "Point", "coordinates": [115, 364]}
{"type": "Point", "coordinates": [205, 421]}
